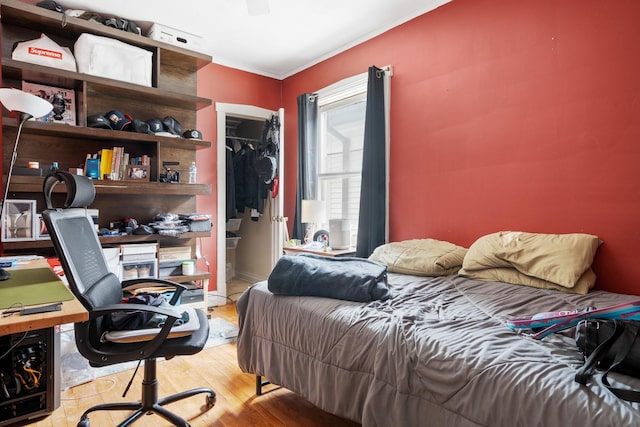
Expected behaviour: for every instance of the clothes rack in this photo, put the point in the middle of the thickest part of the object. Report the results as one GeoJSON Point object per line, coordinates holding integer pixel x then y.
{"type": "Point", "coordinates": [239, 138]}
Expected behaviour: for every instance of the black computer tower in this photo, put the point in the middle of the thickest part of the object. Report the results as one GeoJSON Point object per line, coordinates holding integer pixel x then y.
{"type": "Point", "coordinates": [29, 375]}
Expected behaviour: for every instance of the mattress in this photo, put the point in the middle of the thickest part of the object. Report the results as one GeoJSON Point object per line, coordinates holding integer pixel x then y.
{"type": "Point", "coordinates": [437, 353]}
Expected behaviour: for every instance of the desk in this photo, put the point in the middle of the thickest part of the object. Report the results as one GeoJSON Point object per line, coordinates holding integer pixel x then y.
{"type": "Point", "coordinates": [72, 311]}
{"type": "Point", "coordinates": [292, 250]}
{"type": "Point", "coordinates": [34, 338]}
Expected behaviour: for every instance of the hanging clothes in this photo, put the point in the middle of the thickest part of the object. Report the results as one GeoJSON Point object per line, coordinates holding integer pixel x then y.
{"type": "Point", "coordinates": [250, 190]}
{"type": "Point", "coordinates": [231, 181]}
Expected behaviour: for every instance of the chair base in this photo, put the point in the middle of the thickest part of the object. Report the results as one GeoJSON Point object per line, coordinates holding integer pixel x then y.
{"type": "Point", "coordinates": [150, 402]}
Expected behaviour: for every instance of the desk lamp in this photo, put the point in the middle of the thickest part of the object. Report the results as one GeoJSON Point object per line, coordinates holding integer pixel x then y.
{"type": "Point", "coordinates": [312, 214]}
{"type": "Point", "coordinates": [28, 106]}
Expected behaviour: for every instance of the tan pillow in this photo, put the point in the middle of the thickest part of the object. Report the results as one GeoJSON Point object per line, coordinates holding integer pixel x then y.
{"type": "Point", "coordinates": [420, 257]}
{"type": "Point", "coordinates": [482, 253]}
{"type": "Point", "coordinates": [557, 258]}
{"type": "Point", "coordinates": [513, 276]}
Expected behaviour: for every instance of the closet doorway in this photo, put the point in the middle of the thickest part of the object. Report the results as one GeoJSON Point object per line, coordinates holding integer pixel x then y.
{"type": "Point", "coordinates": [250, 243]}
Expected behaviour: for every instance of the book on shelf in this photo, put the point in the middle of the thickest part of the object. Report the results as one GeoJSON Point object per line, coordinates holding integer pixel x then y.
{"type": "Point", "coordinates": [62, 99]}
{"type": "Point", "coordinates": [112, 163]}
{"type": "Point", "coordinates": [106, 155]}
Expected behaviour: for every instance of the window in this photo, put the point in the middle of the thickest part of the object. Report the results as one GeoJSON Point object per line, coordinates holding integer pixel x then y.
{"type": "Point", "coordinates": [341, 116]}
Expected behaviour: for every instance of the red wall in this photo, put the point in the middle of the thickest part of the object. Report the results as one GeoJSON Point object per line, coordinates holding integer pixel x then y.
{"type": "Point", "coordinates": [231, 86]}
{"type": "Point", "coordinates": [508, 115]}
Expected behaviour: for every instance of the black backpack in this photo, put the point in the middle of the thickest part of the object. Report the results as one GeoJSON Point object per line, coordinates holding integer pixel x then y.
{"type": "Point", "coordinates": [266, 164]}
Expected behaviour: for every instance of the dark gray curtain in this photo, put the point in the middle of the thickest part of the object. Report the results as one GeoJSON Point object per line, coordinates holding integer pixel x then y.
{"type": "Point", "coordinates": [373, 197]}
{"type": "Point", "coordinates": [306, 185]}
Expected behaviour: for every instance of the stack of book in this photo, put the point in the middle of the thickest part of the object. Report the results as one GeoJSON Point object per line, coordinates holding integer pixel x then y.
{"type": "Point", "coordinates": [112, 163]}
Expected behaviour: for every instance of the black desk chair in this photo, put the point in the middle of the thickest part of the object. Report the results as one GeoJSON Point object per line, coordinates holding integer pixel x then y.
{"type": "Point", "coordinates": [100, 292]}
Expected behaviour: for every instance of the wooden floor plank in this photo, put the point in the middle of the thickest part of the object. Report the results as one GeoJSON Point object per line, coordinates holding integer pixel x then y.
{"type": "Point", "coordinates": [216, 367]}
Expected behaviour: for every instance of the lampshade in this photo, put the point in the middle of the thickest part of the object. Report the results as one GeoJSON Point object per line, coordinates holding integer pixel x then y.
{"type": "Point", "coordinates": [24, 102]}
{"type": "Point", "coordinates": [313, 211]}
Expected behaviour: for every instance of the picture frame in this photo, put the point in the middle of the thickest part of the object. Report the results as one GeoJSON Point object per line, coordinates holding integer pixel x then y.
{"type": "Point", "coordinates": [62, 99]}
{"type": "Point", "coordinates": [137, 173]}
{"type": "Point", "coordinates": [41, 229]}
{"type": "Point", "coordinates": [19, 220]}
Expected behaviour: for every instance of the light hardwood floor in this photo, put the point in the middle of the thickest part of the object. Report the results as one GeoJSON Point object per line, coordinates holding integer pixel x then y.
{"type": "Point", "coordinates": [216, 367]}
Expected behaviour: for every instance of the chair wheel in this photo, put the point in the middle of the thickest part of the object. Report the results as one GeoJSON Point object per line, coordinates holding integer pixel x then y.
{"type": "Point", "coordinates": [211, 400]}
{"type": "Point", "coordinates": [84, 422]}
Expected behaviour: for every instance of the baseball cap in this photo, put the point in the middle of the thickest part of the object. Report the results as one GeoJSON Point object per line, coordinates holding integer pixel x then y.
{"type": "Point", "coordinates": [118, 120]}
{"type": "Point", "coordinates": [51, 5]}
{"type": "Point", "coordinates": [172, 125]}
{"type": "Point", "coordinates": [156, 127]}
{"type": "Point", "coordinates": [98, 121]}
{"type": "Point", "coordinates": [141, 126]}
{"type": "Point", "coordinates": [192, 134]}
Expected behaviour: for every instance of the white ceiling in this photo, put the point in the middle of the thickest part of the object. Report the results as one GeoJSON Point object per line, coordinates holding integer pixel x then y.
{"type": "Point", "coordinates": [292, 36]}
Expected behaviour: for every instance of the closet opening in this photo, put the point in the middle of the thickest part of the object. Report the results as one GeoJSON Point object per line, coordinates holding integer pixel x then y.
{"type": "Point", "coordinates": [249, 215]}
{"type": "Point", "coordinates": [248, 228]}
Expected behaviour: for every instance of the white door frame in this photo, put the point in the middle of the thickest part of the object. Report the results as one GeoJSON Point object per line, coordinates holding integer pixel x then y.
{"type": "Point", "coordinates": [252, 113]}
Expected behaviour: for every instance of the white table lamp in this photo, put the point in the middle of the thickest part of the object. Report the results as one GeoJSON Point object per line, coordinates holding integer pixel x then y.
{"type": "Point", "coordinates": [28, 106]}
{"type": "Point", "coordinates": [313, 212]}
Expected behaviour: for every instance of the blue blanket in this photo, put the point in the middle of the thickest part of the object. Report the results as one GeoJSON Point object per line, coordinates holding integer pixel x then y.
{"type": "Point", "coordinates": [352, 279]}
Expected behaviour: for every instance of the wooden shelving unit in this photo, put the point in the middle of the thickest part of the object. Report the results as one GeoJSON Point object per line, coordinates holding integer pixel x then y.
{"type": "Point", "coordinates": [173, 93]}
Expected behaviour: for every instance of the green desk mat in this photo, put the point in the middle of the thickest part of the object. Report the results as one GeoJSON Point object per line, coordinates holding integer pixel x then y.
{"type": "Point", "coordinates": [32, 286]}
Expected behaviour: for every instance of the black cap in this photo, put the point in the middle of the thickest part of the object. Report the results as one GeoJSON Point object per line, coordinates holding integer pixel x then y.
{"type": "Point", "coordinates": [155, 125]}
{"type": "Point", "coordinates": [172, 125]}
{"type": "Point", "coordinates": [98, 121]}
{"type": "Point", "coordinates": [192, 134]}
{"type": "Point", "coordinates": [141, 127]}
{"type": "Point", "coordinates": [118, 120]}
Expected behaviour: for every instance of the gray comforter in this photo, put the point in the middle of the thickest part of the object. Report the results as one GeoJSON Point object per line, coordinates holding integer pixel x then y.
{"type": "Point", "coordinates": [436, 354]}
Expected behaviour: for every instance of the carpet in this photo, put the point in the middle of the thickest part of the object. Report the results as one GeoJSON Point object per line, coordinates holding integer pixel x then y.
{"type": "Point", "coordinates": [76, 369]}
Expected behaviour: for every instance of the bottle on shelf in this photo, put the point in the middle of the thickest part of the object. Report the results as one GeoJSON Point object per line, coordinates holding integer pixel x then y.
{"type": "Point", "coordinates": [193, 170]}
{"type": "Point", "coordinates": [53, 167]}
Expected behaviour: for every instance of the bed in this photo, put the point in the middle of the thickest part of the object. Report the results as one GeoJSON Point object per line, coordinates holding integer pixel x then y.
{"type": "Point", "coordinates": [438, 352]}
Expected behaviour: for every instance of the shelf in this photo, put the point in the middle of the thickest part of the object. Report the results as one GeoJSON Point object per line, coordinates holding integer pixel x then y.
{"type": "Point", "coordinates": [174, 93]}
{"type": "Point", "coordinates": [151, 238]}
{"type": "Point", "coordinates": [113, 136]}
{"type": "Point", "coordinates": [33, 184]}
{"type": "Point", "coordinates": [57, 23]}
{"type": "Point", "coordinates": [108, 240]}
{"type": "Point", "coordinates": [62, 78]}
{"type": "Point", "coordinates": [200, 275]}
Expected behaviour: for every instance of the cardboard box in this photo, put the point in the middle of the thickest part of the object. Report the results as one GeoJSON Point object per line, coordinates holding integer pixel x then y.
{"type": "Point", "coordinates": [174, 253]}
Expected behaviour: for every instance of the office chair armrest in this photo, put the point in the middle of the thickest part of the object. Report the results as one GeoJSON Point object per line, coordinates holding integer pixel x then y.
{"type": "Point", "coordinates": [132, 284]}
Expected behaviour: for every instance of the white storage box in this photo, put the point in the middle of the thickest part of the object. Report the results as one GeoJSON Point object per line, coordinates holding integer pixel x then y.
{"type": "Point", "coordinates": [94, 214]}
{"type": "Point", "coordinates": [113, 59]}
{"type": "Point", "coordinates": [139, 252]}
{"type": "Point", "coordinates": [139, 269]}
{"type": "Point", "coordinates": [176, 37]}
{"type": "Point", "coordinates": [233, 224]}
{"type": "Point", "coordinates": [112, 255]}
{"type": "Point", "coordinates": [139, 260]}
{"type": "Point", "coordinates": [232, 242]}
{"type": "Point", "coordinates": [44, 51]}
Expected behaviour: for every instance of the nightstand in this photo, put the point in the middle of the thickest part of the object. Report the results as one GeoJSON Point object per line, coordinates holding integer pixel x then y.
{"type": "Point", "coordinates": [293, 250]}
